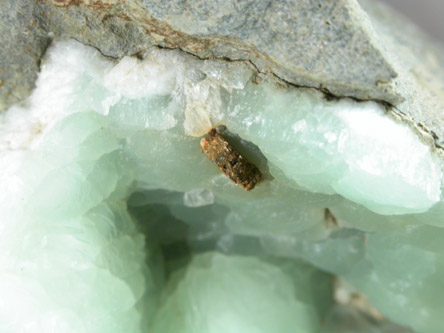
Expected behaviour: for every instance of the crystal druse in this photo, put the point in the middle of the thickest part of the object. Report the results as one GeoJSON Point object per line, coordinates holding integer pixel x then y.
{"type": "Point", "coordinates": [114, 221]}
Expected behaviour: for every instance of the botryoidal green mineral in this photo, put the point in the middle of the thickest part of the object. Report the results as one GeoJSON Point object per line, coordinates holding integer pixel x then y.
{"type": "Point", "coordinates": [114, 221]}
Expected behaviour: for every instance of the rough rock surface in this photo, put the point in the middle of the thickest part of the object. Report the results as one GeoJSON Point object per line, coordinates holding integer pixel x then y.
{"type": "Point", "coordinates": [416, 58]}
{"type": "Point", "coordinates": [330, 45]}
{"type": "Point", "coordinates": [23, 43]}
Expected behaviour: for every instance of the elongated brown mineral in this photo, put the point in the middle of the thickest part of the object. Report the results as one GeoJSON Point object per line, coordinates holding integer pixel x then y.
{"type": "Point", "coordinates": [229, 161]}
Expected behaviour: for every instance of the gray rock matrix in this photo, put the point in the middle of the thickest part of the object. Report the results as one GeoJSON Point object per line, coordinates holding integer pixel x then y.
{"type": "Point", "coordinates": [345, 48]}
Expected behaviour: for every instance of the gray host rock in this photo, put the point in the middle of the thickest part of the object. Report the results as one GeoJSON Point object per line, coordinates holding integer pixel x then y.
{"type": "Point", "coordinates": [345, 48]}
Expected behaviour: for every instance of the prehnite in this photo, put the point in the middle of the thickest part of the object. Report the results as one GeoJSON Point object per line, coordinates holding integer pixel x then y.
{"type": "Point", "coordinates": [114, 221]}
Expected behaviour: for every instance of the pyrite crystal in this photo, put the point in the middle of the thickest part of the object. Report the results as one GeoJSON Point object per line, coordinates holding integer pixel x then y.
{"type": "Point", "coordinates": [113, 220]}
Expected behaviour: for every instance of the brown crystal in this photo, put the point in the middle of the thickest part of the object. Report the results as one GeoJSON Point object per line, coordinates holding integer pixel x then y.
{"type": "Point", "coordinates": [229, 161]}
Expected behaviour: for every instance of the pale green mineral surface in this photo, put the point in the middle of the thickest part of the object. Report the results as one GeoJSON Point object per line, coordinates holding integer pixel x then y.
{"type": "Point", "coordinates": [114, 221]}
{"type": "Point", "coordinates": [218, 293]}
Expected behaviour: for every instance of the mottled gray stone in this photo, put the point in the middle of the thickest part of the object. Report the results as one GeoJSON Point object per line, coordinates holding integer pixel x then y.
{"type": "Point", "coordinates": [316, 43]}
{"type": "Point", "coordinates": [335, 46]}
{"type": "Point", "coordinates": [23, 43]}
{"type": "Point", "coordinates": [416, 58]}
{"type": "Point", "coordinates": [313, 43]}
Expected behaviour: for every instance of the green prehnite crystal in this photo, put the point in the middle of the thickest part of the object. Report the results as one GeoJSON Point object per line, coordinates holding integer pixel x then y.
{"type": "Point", "coordinates": [242, 294]}
{"type": "Point", "coordinates": [114, 221]}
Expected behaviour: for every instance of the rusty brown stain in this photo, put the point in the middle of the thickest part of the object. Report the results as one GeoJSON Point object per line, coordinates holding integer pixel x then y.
{"type": "Point", "coordinates": [95, 4]}
{"type": "Point", "coordinates": [229, 161]}
{"type": "Point", "coordinates": [66, 3]}
{"type": "Point", "coordinates": [162, 34]}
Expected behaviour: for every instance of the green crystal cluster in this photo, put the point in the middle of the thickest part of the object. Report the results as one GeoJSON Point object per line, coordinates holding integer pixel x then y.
{"type": "Point", "coordinates": [114, 221]}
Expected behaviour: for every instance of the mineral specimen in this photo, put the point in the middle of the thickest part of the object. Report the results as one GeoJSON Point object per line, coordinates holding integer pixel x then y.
{"type": "Point", "coordinates": [229, 161]}
{"type": "Point", "coordinates": [114, 221]}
